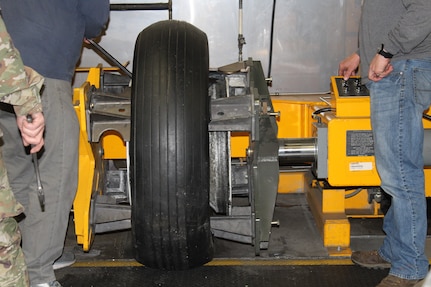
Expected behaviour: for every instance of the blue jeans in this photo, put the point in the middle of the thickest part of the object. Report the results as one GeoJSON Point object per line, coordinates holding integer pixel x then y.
{"type": "Point", "coordinates": [397, 103]}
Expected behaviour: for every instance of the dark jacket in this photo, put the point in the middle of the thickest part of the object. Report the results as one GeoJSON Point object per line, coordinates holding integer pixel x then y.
{"type": "Point", "coordinates": [49, 33]}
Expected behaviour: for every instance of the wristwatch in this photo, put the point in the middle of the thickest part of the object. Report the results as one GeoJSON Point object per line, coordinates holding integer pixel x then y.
{"type": "Point", "coordinates": [384, 53]}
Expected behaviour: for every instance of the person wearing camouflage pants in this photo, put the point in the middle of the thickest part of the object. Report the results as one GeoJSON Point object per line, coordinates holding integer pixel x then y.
{"type": "Point", "coordinates": [19, 87]}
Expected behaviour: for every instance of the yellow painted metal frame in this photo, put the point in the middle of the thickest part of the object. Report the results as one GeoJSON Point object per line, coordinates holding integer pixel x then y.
{"type": "Point", "coordinates": [327, 198]}
{"type": "Point", "coordinates": [328, 209]}
{"type": "Point", "coordinates": [351, 114]}
{"type": "Point", "coordinates": [294, 122]}
{"type": "Point", "coordinates": [113, 147]}
{"type": "Point", "coordinates": [329, 206]}
{"type": "Point", "coordinates": [86, 173]}
{"type": "Point", "coordinates": [349, 170]}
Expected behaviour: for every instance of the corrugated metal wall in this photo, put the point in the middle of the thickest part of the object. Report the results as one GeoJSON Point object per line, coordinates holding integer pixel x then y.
{"type": "Point", "coordinates": [310, 37]}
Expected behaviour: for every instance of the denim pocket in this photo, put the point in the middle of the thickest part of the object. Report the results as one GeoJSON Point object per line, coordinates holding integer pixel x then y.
{"type": "Point", "coordinates": [422, 86]}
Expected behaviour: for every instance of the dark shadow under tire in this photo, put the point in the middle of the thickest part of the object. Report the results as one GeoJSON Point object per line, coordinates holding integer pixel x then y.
{"type": "Point", "coordinates": [169, 147]}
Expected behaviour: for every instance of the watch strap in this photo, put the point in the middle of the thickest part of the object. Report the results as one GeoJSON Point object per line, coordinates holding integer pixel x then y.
{"type": "Point", "coordinates": [384, 53]}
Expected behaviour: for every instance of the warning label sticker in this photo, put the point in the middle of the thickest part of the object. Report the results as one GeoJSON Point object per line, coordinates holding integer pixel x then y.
{"type": "Point", "coordinates": [359, 143]}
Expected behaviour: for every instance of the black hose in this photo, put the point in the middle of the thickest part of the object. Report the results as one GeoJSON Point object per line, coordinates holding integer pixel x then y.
{"type": "Point", "coordinates": [427, 117]}
{"type": "Point", "coordinates": [271, 39]}
{"type": "Point", "coordinates": [319, 111]}
{"type": "Point", "coordinates": [322, 110]}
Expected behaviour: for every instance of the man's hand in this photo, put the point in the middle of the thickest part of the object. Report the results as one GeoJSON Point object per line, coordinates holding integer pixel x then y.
{"type": "Point", "coordinates": [348, 66]}
{"type": "Point", "coordinates": [380, 67]}
{"type": "Point", "coordinates": [32, 132]}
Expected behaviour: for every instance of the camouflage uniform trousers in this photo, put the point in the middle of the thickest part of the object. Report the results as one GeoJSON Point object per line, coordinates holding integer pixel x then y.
{"type": "Point", "coordinates": [13, 270]}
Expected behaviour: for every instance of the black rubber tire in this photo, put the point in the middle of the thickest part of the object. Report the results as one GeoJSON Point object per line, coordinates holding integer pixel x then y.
{"type": "Point", "coordinates": [169, 147]}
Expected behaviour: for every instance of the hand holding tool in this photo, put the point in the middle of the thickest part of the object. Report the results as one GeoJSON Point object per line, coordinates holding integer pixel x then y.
{"type": "Point", "coordinates": [40, 192]}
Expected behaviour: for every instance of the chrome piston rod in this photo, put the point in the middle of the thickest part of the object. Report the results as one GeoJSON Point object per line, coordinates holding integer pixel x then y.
{"type": "Point", "coordinates": [301, 151]}
{"type": "Point", "coordinates": [297, 151]}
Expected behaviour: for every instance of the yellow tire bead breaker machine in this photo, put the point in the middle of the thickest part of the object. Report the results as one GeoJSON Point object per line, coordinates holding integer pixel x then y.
{"type": "Point", "coordinates": [180, 153]}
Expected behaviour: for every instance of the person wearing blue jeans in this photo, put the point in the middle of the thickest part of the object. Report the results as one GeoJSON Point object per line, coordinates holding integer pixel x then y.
{"type": "Point", "coordinates": [49, 35]}
{"type": "Point", "coordinates": [394, 58]}
{"type": "Point", "coordinates": [397, 104]}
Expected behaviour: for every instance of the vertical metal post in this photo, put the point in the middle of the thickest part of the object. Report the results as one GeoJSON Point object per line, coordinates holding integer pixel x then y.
{"type": "Point", "coordinates": [170, 9]}
{"type": "Point", "coordinates": [241, 39]}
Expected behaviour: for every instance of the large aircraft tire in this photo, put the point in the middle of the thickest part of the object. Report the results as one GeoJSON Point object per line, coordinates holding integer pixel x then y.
{"type": "Point", "coordinates": [169, 147]}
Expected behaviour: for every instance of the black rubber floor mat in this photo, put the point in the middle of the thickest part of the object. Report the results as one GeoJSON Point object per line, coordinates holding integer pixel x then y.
{"type": "Point", "coordinates": [223, 276]}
